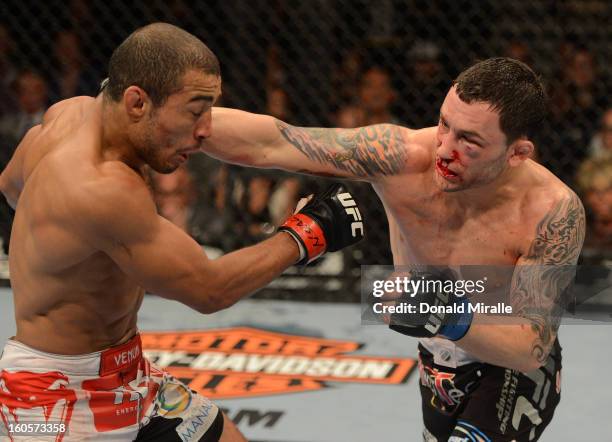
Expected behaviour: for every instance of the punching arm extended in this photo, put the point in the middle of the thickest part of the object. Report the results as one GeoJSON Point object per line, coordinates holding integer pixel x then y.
{"type": "Point", "coordinates": [365, 153]}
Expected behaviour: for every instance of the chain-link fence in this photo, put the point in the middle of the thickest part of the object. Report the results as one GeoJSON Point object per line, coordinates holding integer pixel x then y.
{"type": "Point", "coordinates": [322, 63]}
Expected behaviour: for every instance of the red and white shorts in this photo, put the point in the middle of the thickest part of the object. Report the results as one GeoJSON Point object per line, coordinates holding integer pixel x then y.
{"type": "Point", "coordinates": [111, 395]}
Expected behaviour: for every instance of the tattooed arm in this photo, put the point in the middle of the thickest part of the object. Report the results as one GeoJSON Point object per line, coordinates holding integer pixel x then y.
{"type": "Point", "coordinates": [546, 272]}
{"type": "Point", "coordinates": [365, 153]}
{"type": "Point", "coordinates": [540, 280]}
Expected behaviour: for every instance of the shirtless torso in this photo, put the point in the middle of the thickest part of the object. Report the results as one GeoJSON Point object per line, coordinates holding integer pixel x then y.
{"type": "Point", "coordinates": [87, 240]}
{"type": "Point", "coordinates": [432, 227]}
{"type": "Point", "coordinates": [65, 288]}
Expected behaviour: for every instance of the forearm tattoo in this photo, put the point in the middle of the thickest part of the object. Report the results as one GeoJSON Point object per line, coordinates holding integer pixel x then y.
{"type": "Point", "coordinates": [538, 288]}
{"type": "Point", "coordinates": [355, 153]}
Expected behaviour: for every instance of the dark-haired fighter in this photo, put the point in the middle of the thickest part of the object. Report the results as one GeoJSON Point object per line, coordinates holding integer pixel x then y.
{"type": "Point", "coordinates": [87, 242]}
{"type": "Point", "coordinates": [464, 192]}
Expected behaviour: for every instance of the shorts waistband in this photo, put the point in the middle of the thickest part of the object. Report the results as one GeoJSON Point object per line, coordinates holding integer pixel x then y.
{"type": "Point", "coordinates": [17, 355]}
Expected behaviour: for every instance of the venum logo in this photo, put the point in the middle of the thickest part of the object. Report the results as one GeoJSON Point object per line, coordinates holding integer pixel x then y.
{"type": "Point", "coordinates": [350, 207]}
{"type": "Point", "coordinates": [127, 356]}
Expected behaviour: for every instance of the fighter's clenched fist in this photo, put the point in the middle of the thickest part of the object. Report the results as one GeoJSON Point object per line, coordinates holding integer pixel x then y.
{"type": "Point", "coordinates": [328, 222]}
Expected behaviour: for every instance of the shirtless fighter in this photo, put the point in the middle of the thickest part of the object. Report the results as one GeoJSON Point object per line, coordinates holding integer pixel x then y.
{"type": "Point", "coordinates": [87, 241]}
{"type": "Point", "coordinates": [464, 192]}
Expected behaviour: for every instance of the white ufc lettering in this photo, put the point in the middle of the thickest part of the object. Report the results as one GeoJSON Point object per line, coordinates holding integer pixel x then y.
{"type": "Point", "coordinates": [346, 199]}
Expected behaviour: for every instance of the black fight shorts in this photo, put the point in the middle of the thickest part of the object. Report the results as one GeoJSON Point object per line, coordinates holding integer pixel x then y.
{"type": "Point", "coordinates": [484, 402]}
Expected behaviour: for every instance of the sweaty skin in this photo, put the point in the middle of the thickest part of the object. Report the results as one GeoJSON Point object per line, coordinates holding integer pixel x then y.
{"type": "Point", "coordinates": [87, 241]}
{"type": "Point", "coordinates": [69, 298]}
{"type": "Point", "coordinates": [452, 198]}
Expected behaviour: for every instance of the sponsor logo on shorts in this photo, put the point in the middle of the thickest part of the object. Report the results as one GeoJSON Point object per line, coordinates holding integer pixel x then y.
{"type": "Point", "coordinates": [173, 398]}
{"type": "Point", "coordinates": [119, 401]}
{"type": "Point", "coordinates": [195, 426]}
{"type": "Point", "coordinates": [466, 432]}
{"type": "Point", "coordinates": [446, 395]}
{"type": "Point", "coordinates": [120, 357]}
{"type": "Point", "coordinates": [506, 400]}
{"type": "Point", "coordinates": [243, 362]}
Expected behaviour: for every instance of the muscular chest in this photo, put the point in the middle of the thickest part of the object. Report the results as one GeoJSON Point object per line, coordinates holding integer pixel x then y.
{"type": "Point", "coordinates": [429, 231]}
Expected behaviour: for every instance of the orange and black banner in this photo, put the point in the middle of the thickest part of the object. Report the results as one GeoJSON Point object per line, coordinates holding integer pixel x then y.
{"type": "Point", "coordinates": [245, 362]}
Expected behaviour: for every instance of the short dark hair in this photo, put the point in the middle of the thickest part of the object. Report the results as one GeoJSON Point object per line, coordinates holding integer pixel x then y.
{"type": "Point", "coordinates": [155, 58]}
{"type": "Point", "coordinates": [512, 89]}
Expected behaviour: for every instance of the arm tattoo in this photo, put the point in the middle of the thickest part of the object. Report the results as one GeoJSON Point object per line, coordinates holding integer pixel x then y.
{"type": "Point", "coordinates": [359, 153]}
{"type": "Point", "coordinates": [538, 288]}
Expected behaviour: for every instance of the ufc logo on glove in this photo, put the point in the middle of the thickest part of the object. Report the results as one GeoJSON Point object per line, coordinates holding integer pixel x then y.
{"type": "Point", "coordinates": [350, 207]}
{"type": "Point", "coordinates": [328, 222]}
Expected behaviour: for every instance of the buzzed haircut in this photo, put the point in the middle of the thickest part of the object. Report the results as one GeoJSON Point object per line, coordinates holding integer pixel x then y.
{"type": "Point", "coordinates": [155, 58]}
{"type": "Point", "coordinates": [512, 89]}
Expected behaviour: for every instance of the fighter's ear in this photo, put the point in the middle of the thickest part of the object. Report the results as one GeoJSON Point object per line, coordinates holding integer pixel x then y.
{"type": "Point", "coordinates": [519, 151]}
{"type": "Point", "coordinates": [136, 102]}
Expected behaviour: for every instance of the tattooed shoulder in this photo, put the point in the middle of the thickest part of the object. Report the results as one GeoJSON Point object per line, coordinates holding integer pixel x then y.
{"type": "Point", "coordinates": [560, 233]}
{"type": "Point", "coordinates": [365, 152]}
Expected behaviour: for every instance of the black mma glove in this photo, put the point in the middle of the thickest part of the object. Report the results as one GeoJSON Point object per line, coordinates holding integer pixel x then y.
{"type": "Point", "coordinates": [452, 320]}
{"type": "Point", "coordinates": [328, 222]}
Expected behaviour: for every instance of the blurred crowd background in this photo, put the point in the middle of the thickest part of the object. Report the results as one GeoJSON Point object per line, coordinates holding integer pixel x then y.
{"type": "Point", "coordinates": [343, 63]}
